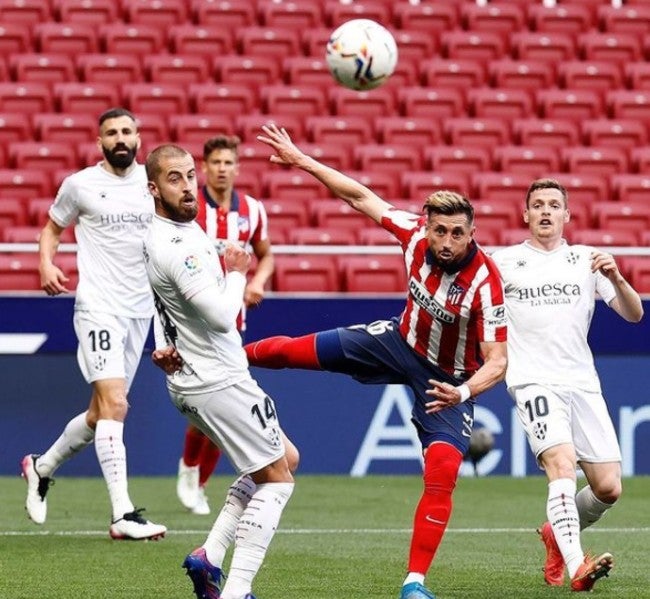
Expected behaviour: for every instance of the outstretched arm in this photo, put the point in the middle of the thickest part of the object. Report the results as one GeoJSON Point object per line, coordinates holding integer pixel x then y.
{"type": "Point", "coordinates": [358, 196]}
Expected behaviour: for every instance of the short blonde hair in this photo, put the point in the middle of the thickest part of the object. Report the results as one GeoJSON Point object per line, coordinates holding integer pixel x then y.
{"type": "Point", "coordinates": [449, 202]}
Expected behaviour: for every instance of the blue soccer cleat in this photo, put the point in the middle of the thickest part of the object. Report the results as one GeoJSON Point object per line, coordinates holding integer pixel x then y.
{"type": "Point", "coordinates": [414, 590]}
{"type": "Point", "coordinates": [205, 577]}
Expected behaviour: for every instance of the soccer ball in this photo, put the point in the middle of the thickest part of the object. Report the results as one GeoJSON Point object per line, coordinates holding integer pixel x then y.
{"type": "Point", "coordinates": [480, 444]}
{"type": "Point", "coordinates": [361, 54]}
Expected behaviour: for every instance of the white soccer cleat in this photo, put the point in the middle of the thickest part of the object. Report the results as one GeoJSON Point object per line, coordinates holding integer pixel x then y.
{"type": "Point", "coordinates": [133, 527]}
{"type": "Point", "coordinates": [37, 487]}
{"type": "Point", "coordinates": [201, 507]}
{"type": "Point", "coordinates": [187, 485]}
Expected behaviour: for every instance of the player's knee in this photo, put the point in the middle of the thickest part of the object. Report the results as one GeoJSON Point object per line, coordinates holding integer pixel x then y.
{"type": "Point", "coordinates": [293, 458]}
{"type": "Point", "coordinates": [608, 490]}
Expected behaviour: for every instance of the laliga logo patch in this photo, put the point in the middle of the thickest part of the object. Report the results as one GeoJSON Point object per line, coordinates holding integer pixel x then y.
{"type": "Point", "coordinates": [539, 430]}
{"type": "Point", "coordinates": [99, 363]}
{"type": "Point", "coordinates": [572, 258]}
{"type": "Point", "coordinates": [191, 263]}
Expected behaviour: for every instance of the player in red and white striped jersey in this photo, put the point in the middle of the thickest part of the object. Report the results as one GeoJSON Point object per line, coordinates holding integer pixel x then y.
{"type": "Point", "coordinates": [448, 345]}
{"type": "Point", "coordinates": [228, 215]}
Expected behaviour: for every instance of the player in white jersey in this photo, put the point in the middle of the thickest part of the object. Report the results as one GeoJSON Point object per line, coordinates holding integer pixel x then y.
{"type": "Point", "coordinates": [550, 289]}
{"type": "Point", "coordinates": [198, 301]}
{"type": "Point", "coordinates": [112, 209]}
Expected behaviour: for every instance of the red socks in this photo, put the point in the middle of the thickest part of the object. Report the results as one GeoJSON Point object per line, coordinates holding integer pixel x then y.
{"type": "Point", "coordinates": [199, 451]}
{"type": "Point", "coordinates": [441, 465]}
{"type": "Point", "coordinates": [192, 447]}
{"type": "Point", "coordinates": [284, 352]}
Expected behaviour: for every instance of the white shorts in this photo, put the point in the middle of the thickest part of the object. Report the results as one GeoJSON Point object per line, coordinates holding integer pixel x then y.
{"type": "Point", "coordinates": [552, 415]}
{"type": "Point", "coordinates": [110, 347]}
{"type": "Point", "coordinates": [241, 419]}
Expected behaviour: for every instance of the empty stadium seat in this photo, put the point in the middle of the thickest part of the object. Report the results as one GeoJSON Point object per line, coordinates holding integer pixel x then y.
{"type": "Point", "coordinates": [287, 184]}
{"type": "Point", "coordinates": [12, 213]}
{"type": "Point", "coordinates": [414, 44]}
{"type": "Point", "coordinates": [19, 272]}
{"type": "Point", "coordinates": [128, 38]}
{"type": "Point", "coordinates": [331, 154]}
{"type": "Point", "coordinates": [500, 186]}
{"type": "Point", "coordinates": [466, 159]}
{"type": "Point", "coordinates": [300, 100]}
{"type": "Point", "coordinates": [375, 236]}
{"type": "Point", "coordinates": [15, 38]}
{"type": "Point", "coordinates": [156, 13]}
{"type": "Point", "coordinates": [594, 75]}
{"type": "Point", "coordinates": [307, 70]}
{"type": "Point", "coordinates": [637, 75]}
{"type": "Point", "coordinates": [38, 211]}
{"type": "Point", "coordinates": [387, 158]}
{"type": "Point", "coordinates": [625, 19]}
{"type": "Point", "coordinates": [335, 213]}
{"type": "Point", "coordinates": [500, 103]}
{"type": "Point", "coordinates": [605, 237]}
{"type": "Point", "coordinates": [286, 214]}
{"type": "Point", "coordinates": [615, 47]}
{"type": "Point", "coordinates": [621, 133]}
{"type": "Point", "coordinates": [249, 126]}
{"type": "Point", "coordinates": [434, 17]}
{"type": "Point", "coordinates": [95, 12]}
{"type": "Point", "coordinates": [66, 38]}
{"type": "Point", "coordinates": [109, 68]}
{"type": "Point", "coordinates": [485, 132]}
{"type": "Point", "coordinates": [373, 274]}
{"type": "Point", "coordinates": [321, 236]}
{"type": "Point", "coordinates": [521, 74]}
{"type": "Point", "coordinates": [425, 102]}
{"type": "Point", "coordinates": [92, 98]}
{"type": "Point", "coordinates": [583, 187]}
{"type": "Point", "coordinates": [415, 131]}
{"type": "Point", "coordinates": [532, 160]}
{"type": "Point", "coordinates": [162, 98]}
{"type": "Point", "coordinates": [313, 41]}
{"type": "Point", "coordinates": [598, 160]}
{"type": "Point", "coordinates": [225, 99]}
{"type": "Point", "coordinates": [42, 67]}
{"type": "Point", "coordinates": [639, 272]}
{"type": "Point", "coordinates": [256, 70]}
{"type": "Point", "coordinates": [556, 133]}
{"type": "Point", "coordinates": [170, 68]}
{"type": "Point", "coordinates": [199, 127]}
{"type": "Point", "coordinates": [575, 104]}
{"type": "Point", "coordinates": [24, 183]}
{"type": "Point", "coordinates": [297, 15]}
{"type": "Point", "coordinates": [337, 13]}
{"type": "Point", "coordinates": [547, 46]}
{"type": "Point", "coordinates": [263, 41]}
{"type": "Point", "coordinates": [48, 156]}
{"type": "Point", "coordinates": [631, 188]}
{"type": "Point", "coordinates": [640, 159]}
{"type": "Point", "coordinates": [315, 273]}
{"type": "Point", "coordinates": [500, 18]}
{"type": "Point", "coordinates": [513, 236]}
{"type": "Point", "coordinates": [14, 126]}
{"type": "Point", "coordinates": [232, 14]}
{"type": "Point", "coordinates": [497, 214]}
{"type": "Point", "coordinates": [633, 216]}
{"type": "Point", "coordinates": [453, 72]}
{"type": "Point", "coordinates": [27, 12]}
{"type": "Point", "coordinates": [419, 185]}
{"type": "Point", "coordinates": [26, 98]}
{"type": "Point", "coordinates": [344, 130]}
{"type": "Point", "coordinates": [65, 127]}
{"type": "Point", "coordinates": [628, 104]}
{"type": "Point", "coordinates": [385, 185]}
{"type": "Point", "coordinates": [369, 104]}
{"type": "Point", "coordinates": [207, 40]}
{"type": "Point", "coordinates": [571, 18]}
{"type": "Point", "coordinates": [473, 45]}
{"type": "Point", "coordinates": [152, 127]}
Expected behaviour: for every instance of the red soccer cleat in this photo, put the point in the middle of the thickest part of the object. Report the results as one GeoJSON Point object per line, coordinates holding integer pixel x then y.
{"type": "Point", "coordinates": [591, 569]}
{"type": "Point", "coordinates": [554, 565]}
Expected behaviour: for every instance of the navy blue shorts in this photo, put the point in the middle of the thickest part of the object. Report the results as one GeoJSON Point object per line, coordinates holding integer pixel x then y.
{"type": "Point", "coordinates": [377, 354]}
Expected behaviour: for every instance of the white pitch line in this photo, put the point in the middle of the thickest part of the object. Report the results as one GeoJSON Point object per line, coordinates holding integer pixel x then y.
{"type": "Point", "coordinates": [312, 531]}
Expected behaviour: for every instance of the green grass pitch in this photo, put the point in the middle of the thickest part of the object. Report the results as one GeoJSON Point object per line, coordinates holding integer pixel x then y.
{"type": "Point", "coordinates": [339, 538]}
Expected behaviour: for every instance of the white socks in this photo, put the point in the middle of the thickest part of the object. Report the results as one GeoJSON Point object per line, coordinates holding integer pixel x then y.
{"type": "Point", "coordinates": [255, 530]}
{"type": "Point", "coordinates": [223, 529]}
{"type": "Point", "coordinates": [111, 454]}
{"type": "Point", "coordinates": [562, 513]}
{"type": "Point", "coordinates": [590, 508]}
{"type": "Point", "coordinates": [76, 435]}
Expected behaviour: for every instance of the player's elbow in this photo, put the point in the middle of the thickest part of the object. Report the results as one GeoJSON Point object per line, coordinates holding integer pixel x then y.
{"type": "Point", "coordinates": [500, 364]}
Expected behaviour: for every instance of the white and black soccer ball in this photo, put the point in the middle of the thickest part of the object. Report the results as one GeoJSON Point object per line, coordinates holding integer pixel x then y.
{"type": "Point", "coordinates": [480, 444]}
{"type": "Point", "coordinates": [361, 54]}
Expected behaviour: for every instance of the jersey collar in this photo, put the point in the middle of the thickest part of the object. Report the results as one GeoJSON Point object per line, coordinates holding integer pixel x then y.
{"type": "Point", "coordinates": [234, 200]}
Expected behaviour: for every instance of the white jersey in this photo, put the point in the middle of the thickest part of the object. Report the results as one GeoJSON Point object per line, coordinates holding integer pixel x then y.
{"type": "Point", "coordinates": [112, 215]}
{"type": "Point", "coordinates": [181, 261]}
{"type": "Point", "coordinates": [550, 299]}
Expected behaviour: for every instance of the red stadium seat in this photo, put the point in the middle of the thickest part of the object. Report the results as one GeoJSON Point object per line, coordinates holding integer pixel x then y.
{"type": "Point", "coordinates": [90, 12]}
{"type": "Point", "coordinates": [163, 98]}
{"type": "Point", "coordinates": [639, 272]}
{"type": "Point", "coordinates": [637, 75]}
{"type": "Point", "coordinates": [262, 41]}
{"type": "Point", "coordinates": [38, 211]}
{"type": "Point", "coordinates": [286, 214]}
{"type": "Point", "coordinates": [500, 103]}
{"type": "Point", "coordinates": [369, 104]}
{"type": "Point", "coordinates": [47, 156]}
{"type": "Point", "coordinates": [12, 213]}
{"type": "Point", "coordinates": [373, 274]}
{"type": "Point", "coordinates": [513, 236]}
{"type": "Point", "coordinates": [622, 215]}
{"type": "Point", "coordinates": [626, 19]}
{"type": "Point", "coordinates": [434, 17]}
{"type": "Point", "coordinates": [414, 131]}
{"type": "Point", "coordinates": [423, 102]}
{"type": "Point", "coordinates": [631, 188]}
{"type": "Point", "coordinates": [375, 236]}
{"type": "Point", "coordinates": [109, 68]}
{"type": "Point", "coordinates": [615, 47]}
{"type": "Point", "coordinates": [419, 185]}
{"type": "Point", "coordinates": [337, 13]}
{"type": "Point", "coordinates": [329, 153]}
{"type": "Point", "coordinates": [19, 272]}
{"type": "Point", "coordinates": [27, 12]}
{"type": "Point", "coordinates": [387, 158]}
{"type": "Point", "coordinates": [571, 18]}
{"type": "Point", "coordinates": [465, 159]}
{"type": "Point", "coordinates": [454, 73]}
{"type": "Point", "coordinates": [29, 234]}
{"type": "Point", "coordinates": [288, 184]}
{"type": "Point", "coordinates": [124, 38]}
{"type": "Point", "coordinates": [521, 74]}
{"type": "Point", "coordinates": [414, 44]}
{"type": "Point", "coordinates": [621, 133]}
{"type": "Point", "coordinates": [337, 214]}
{"type": "Point", "coordinates": [598, 160]}
{"type": "Point", "coordinates": [229, 99]}
{"type": "Point", "coordinates": [175, 69]}
{"type": "Point", "coordinates": [199, 127]}
{"type": "Point", "coordinates": [313, 41]}
{"type": "Point", "coordinates": [344, 130]}
{"type": "Point", "coordinates": [27, 98]}
{"type": "Point", "coordinates": [594, 75]}
{"type": "Point", "coordinates": [556, 133]}
{"type": "Point", "coordinates": [307, 70]}
{"type": "Point", "coordinates": [14, 126]}
{"type": "Point", "coordinates": [572, 104]}
{"type": "Point", "coordinates": [496, 214]}
{"type": "Point", "coordinates": [482, 46]}
{"type": "Point", "coordinates": [206, 41]}
{"type": "Point", "coordinates": [46, 68]}
{"type": "Point", "coordinates": [628, 104]}
{"type": "Point", "coordinates": [299, 100]}
{"type": "Point", "coordinates": [66, 38]}
{"type": "Point", "coordinates": [385, 185]}
{"type": "Point", "coordinates": [499, 18]}
{"type": "Point", "coordinates": [316, 273]}
{"type": "Point", "coordinates": [321, 236]}
{"type": "Point", "coordinates": [535, 161]}
{"type": "Point", "coordinates": [156, 13]}
{"type": "Point", "coordinates": [545, 46]}
{"type": "Point", "coordinates": [583, 187]}
{"type": "Point", "coordinates": [91, 98]}
{"type": "Point", "coordinates": [295, 15]}
{"type": "Point", "coordinates": [153, 128]}
{"type": "Point", "coordinates": [15, 38]}
{"type": "Point", "coordinates": [501, 186]}
{"type": "Point", "coordinates": [254, 156]}
{"type": "Point", "coordinates": [604, 237]}
{"type": "Point", "coordinates": [255, 70]}
{"type": "Point", "coordinates": [249, 126]}
{"type": "Point", "coordinates": [640, 159]}
{"type": "Point", "coordinates": [485, 237]}
{"type": "Point", "coordinates": [484, 132]}
{"type": "Point", "coordinates": [232, 14]}
{"type": "Point", "coordinates": [65, 127]}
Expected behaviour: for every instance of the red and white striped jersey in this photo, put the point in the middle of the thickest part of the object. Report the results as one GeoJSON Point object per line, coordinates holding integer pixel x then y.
{"type": "Point", "coordinates": [245, 223]}
{"type": "Point", "coordinates": [447, 314]}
